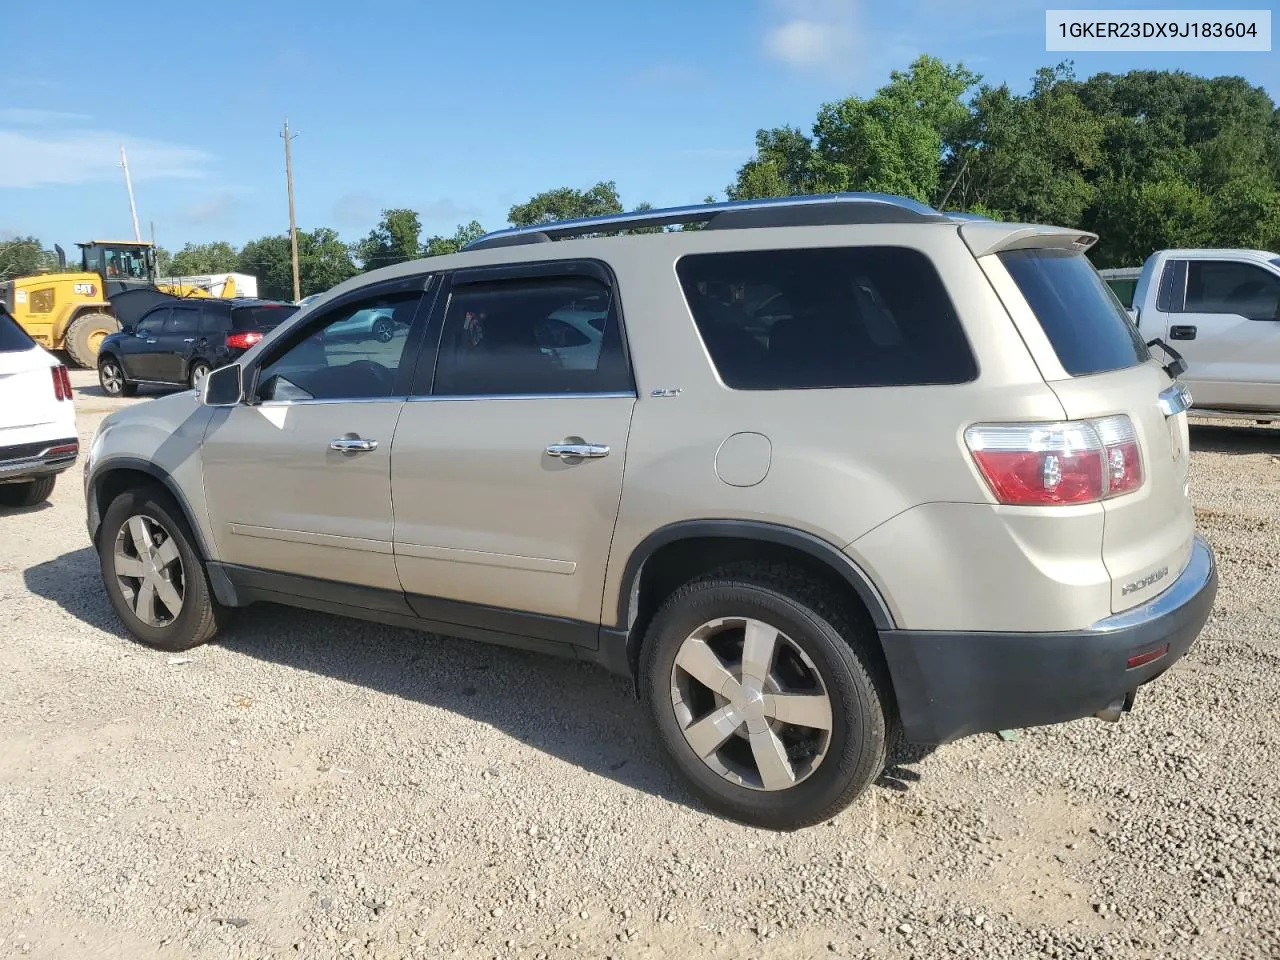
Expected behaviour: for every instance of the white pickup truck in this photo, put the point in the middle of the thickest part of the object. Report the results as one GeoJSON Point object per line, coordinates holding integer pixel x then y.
{"type": "Point", "coordinates": [1219, 309]}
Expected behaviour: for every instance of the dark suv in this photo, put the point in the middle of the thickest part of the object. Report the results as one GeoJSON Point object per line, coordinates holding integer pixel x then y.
{"type": "Point", "coordinates": [178, 343]}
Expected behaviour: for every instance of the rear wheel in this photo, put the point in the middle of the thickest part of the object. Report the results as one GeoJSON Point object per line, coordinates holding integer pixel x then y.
{"type": "Point", "coordinates": [152, 574]}
{"type": "Point", "coordinates": [383, 330]}
{"type": "Point", "coordinates": [85, 335]}
{"type": "Point", "coordinates": [199, 370]}
{"type": "Point", "coordinates": [27, 493]}
{"type": "Point", "coordinates": [766, 696]}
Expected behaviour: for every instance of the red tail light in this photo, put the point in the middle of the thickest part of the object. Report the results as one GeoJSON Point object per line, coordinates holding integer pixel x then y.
{"type": "Point", "coordinates": [61, 382]}
{"type": "Point", "coordinates": [243, 341]}
{"type": "Point", "coordinates": [1041, 464]}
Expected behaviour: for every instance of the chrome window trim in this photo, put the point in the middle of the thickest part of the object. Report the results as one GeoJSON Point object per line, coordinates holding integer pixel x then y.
{"type": "Point", "coordinates": [400, 398]}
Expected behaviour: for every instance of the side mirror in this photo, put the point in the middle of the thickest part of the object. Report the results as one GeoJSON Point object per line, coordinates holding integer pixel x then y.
{"type": "Point", "coordinates": [223, 387]}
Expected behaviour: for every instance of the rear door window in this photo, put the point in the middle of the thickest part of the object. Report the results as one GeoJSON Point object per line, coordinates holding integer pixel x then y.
{"type": "Point", "coordinates": [802, 319]}
{"type": "Point", "coordinates": [13, 339]}
{"type": "Point", "coordinates": [264, 317]}
{"type": "Point", "coordinates": [1088, 328]}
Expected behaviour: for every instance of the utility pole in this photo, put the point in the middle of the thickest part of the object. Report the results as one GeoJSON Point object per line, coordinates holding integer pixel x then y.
{"type": "Point", "coordinates": [133, 207]}
{"type": "Point", "coordinates": [293, 223]}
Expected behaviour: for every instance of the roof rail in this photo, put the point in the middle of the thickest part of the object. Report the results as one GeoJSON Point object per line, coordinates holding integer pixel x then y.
{"type": "Point", "coordinates": [809, 210]}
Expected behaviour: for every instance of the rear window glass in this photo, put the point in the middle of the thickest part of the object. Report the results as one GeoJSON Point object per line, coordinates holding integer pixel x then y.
{"type": "Point", "coordinates": [12, 337]}
{"type": "Point", "coordinates": [833, 317]}
{"type": "Point", "coordinates": [1089, 329]}
{"type": "Point", "coordinates": [261, 318]}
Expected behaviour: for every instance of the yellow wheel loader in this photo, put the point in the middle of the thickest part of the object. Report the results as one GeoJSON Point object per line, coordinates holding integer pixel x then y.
{"type": "Point", "coordinates": [75, 311]}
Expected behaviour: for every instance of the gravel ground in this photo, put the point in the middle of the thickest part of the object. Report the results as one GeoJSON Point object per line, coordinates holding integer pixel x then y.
{"type": "Point", "coordinates": [316, 787]}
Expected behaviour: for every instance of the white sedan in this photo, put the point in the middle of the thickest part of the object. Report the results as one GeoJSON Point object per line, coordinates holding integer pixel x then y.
{"type": "Point", "coordinates": [38, 437]}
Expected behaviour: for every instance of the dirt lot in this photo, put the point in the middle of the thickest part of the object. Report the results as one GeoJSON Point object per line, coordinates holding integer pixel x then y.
{"type": "Point", "coordinates": [316, 787]}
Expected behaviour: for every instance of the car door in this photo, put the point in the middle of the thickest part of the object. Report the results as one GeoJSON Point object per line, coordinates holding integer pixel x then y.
{"type": "Point", "coordinates": [298, 477]}
{"type": "Point", "coordinates": [1221, 315]}
{"type": "Point", "coordinates": [175, 343]}
{"type": "Point", "coordinates": [138, 350]}
{"type": "Point", "coordinates": [507, 463]}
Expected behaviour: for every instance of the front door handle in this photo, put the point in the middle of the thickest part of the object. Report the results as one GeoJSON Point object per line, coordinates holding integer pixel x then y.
{"type": "Point", "coordinates": [189, 340]}
{"type": "Point", "coordinates": [352, 445]}
{"type": "Point", "coordinates": [152, 340]}
{"type": "Point", "coordinates": [1182, 333]}
{"type": "Point", "coordinates": [577, 451]}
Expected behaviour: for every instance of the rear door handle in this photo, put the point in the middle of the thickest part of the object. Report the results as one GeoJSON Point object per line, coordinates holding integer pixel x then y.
{"type": "Point", "coordinates": [352, 445]}
{"type": "Point", "coordinates": [1182, 333]}
{"type": "Point", "coordinates": [152, 340]}
{"type": "Point", "coordinates": [189, 340]}
{"type": "Point", "coordinates": [577, 451]}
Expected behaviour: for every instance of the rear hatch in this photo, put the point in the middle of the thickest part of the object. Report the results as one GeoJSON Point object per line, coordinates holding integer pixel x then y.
{"type": "Point", "coordinates": [26, 387]}
{"type": "Point", "coordinates": [261, 317]}
{"type": "Point", "coordinates": [1097, 364]}
{"type": "Point", "coordinates": [249, 324]}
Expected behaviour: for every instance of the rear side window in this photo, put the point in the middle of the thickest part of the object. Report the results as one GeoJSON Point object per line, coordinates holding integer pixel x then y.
{"type": "Point", "coordinates": [13, 338]}
{"type": "Point", "coordinates": [264, 317]}
{"type": "Point", "coordinates": [1089, 330]}
{"type": "Point", "coordinates": [802, 319]}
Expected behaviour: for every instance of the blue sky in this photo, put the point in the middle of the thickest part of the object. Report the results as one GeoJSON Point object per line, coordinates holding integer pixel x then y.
{"type": "Point", "coordinates": [455, 110]}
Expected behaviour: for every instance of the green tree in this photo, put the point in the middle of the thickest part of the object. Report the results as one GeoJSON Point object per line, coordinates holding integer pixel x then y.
{"type": "Point", "coordinates": [268, 259]}
{"type": "Point", "coordinates": [394, 240]}
{"type": "Point", "coordinates": [24, 256]}
{"type": "Point", "coordinates": [1028, 158]}
{"type": "Point", "coordinates": [437, 246]}
{"type": "Point", "coordinates": [566, 203]}
{"type": "Point", "coordinates": [195, 259]}
{"type": "Point", "coordinates": [164, 261]}
{"type": "Point", "coordinates": [324, 261]}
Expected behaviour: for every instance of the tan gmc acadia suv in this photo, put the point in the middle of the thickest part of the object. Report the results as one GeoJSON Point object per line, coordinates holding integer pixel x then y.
{"type": "Point", "coordinates": [825, 469]}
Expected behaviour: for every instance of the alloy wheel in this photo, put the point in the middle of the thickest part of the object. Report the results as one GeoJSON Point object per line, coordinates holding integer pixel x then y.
{"type": "Point", "coordinates": [751, 704]}
{"type": "Point", "coordinates": [149, 571]}
{"type": "Point", "coordinates": [112, 378]}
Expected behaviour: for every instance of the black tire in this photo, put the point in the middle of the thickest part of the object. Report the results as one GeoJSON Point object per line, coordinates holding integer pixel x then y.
{"type": "Point", "coordinates": [199, 370]}
{"type": "Point", "coordinates": [28, 493]}
{"type": "Point", "coordinates": [839, 646]}
{"type": "Point", "coordinates": [85, 335]}
{"type": "Point", "coordinates": [201, 616]}
{"type": "Point", "coordinates": [112, 380]}
{"type": "Point", "coordinates": [383, 330]}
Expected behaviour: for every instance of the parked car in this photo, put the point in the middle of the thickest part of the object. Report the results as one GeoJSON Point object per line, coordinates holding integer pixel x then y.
{"type": "Point", "coordinates": [180, 341]}
{"type": "Point", "coordinates": [38, 437]}
{"type": "Point", "coordinates": [380, 325]}
{"type": "Point", "coordinates": [932, 480]}
{"type": "Point", "coordinates": [1220, 311]}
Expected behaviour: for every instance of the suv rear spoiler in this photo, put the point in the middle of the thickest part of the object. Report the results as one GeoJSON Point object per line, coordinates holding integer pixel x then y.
{"type": "Point", "coordinates": [987, 237]}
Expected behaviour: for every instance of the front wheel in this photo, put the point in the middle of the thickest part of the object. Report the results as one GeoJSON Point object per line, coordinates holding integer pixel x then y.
{"type": "Point", "coordinates": [111, 378]}
{"type": "Point", "coordinates": [766, 696]}
{"type": "Point", "coordinates": [383, 330]}
{"type": "Point", "coordinates": [152, 574]}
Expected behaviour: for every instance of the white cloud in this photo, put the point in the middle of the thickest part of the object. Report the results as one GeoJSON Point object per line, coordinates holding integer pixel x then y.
{"type": "Point", "coordinates": [818, 35]}
{"type": "Point", "coordinates": [447, 209]}
{"type": "Point", "coordinates": [48, 152]}
{"type": "Point", "coordinates": [214, 209]}
{"type": "Point", "coordinates": [29, 116]}
{"type": "Point", "coordinates": [357, 210]}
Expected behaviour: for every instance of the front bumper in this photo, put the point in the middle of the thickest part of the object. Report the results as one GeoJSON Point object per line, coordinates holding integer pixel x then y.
{"type": "Point", "coordinates": [29, 460]}
{"type": "Point", "coordinates": [951, 685]}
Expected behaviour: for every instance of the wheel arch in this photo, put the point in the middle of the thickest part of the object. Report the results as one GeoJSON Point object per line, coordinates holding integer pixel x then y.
{"type": "Point", "coordinates": [119, 474]}
{"type": "Point", "coordinates": [673, 554]}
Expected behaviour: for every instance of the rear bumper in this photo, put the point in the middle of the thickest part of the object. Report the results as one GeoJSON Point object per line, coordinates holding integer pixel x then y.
{"type": "Point", "coordinates": [950, 685]}
{"type": "Point", "coordinates": [30, 460]}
